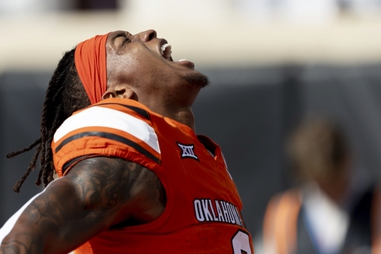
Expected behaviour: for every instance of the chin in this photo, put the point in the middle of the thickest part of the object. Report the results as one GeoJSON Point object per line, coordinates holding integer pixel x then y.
{"type": "Point", "coordinates": [197, 78]}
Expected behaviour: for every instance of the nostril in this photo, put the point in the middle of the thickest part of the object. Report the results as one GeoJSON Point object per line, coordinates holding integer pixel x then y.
{"type": "Point", "coordinates": [151, 34]}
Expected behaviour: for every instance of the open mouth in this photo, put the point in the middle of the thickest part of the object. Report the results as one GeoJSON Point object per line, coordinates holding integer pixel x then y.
{"type": "Point", "coordinates": [166, 51]}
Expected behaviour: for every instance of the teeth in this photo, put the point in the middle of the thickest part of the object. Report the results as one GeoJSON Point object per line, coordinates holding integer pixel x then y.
{"type": "Point", "coordinates": [166, 51]}
{"type": "Point", "coordinates": [163, 48]}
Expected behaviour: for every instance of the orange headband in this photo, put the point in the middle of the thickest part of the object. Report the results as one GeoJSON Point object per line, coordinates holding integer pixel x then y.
{"type": "Point", "coordinates": [90, 62]}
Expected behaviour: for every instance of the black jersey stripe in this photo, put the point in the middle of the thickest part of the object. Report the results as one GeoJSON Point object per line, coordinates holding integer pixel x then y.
{"type": "Point", "coordinates": [111, 136]}
{"type": "Point", "coordinates": [140, 111]}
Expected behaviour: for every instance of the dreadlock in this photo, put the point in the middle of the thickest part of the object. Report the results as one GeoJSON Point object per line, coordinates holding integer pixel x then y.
{"type": "Point", "coordinates": [64, 95]}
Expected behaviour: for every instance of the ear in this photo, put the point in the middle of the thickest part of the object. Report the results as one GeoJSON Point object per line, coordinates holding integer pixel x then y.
{"type": "Point", "coordinates": [119, 91]}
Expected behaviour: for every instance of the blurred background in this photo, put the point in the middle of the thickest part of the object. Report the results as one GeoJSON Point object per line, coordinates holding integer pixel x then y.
{"type": "Point", "coordinates": [270, 63]}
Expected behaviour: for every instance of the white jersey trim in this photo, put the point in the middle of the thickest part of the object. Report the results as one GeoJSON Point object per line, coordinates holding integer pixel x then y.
{"type": "Point", "coordinates": [111, 118]}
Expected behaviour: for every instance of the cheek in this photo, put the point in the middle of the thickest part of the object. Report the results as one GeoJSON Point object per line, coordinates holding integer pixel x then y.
{"type": "Point", "coordinates": [140, 68]}
{"type": "Point", "coordinates": [123, 70]}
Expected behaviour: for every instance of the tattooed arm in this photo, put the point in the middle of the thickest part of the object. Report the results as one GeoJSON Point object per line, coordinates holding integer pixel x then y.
{"type": "Point", "coordinates": [96, 194]}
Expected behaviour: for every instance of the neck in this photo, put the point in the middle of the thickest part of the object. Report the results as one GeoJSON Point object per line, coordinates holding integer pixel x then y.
{"type": "Point", "coordinates": [186, 118]}
{"type": "Point", "coordinates": [178, 111]}
{"type": "Point", "coordinates": [184, 115]}
{"type": "Point", "coordinates": [336, 191]}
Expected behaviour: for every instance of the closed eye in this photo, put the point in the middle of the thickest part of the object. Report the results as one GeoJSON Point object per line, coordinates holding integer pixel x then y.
{"type": "Point", "coordinates": [122, 38]}
{"type": "Point", "coordinates": [128, 37]}
{"type": "Point", "coordinates": [126, 40]}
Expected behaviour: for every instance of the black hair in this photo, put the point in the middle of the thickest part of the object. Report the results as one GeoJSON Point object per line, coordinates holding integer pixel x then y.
{"type": "Point", "coordinates": [64, 95]}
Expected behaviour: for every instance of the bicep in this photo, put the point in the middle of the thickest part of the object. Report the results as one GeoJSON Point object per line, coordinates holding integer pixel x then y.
{"type": "Point", "coordinates": [70, 210]}
{"type": "Point", "coordinates": [40, 225]}
{"type": "Point", "coordinates": [97, 193]}
{"type": "Point", "coordinates": [123, 189]}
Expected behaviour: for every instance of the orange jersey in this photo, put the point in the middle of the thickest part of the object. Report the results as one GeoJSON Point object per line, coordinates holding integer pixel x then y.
{"type": "Point", "coordinates": [203, 209]}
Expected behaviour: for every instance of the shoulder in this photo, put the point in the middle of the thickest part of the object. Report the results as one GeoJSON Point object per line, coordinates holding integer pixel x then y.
{"type": "Point", "coordinates": [110, 113]}
{"type": "Point", "coordinates": [114, 127]}
{"type": "Point", "coordinates": [103, 181]}
{"type": "Point", "coordinates": [103, 171]}
{"type": "Point", "coordinates": [113, 183]}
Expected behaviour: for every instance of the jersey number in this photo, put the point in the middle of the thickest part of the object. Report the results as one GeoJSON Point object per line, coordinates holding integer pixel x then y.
{"type": "Point", "coordinates": [241, 243]}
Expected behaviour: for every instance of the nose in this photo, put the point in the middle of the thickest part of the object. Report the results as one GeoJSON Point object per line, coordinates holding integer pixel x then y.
{"type": "Point", "coordinates": [148, 35]}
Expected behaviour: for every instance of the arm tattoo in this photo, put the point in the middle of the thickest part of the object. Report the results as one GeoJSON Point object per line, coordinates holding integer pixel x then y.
{"type": "Point", "coordinates": [88, 200]}
{"type": "Point", "coordinates": [15, 247]}
{"type": "Point", "coordinates": [104, 185]}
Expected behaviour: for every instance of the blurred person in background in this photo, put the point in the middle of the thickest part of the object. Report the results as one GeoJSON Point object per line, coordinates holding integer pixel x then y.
{"type": "Point", "coordinates": [324, 213]}
{"type": "Point", "coordinates": [133, 175]}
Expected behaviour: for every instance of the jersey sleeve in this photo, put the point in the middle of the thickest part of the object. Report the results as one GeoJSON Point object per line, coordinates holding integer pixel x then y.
{"type": "Point", "coordinates": [107, 129]}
